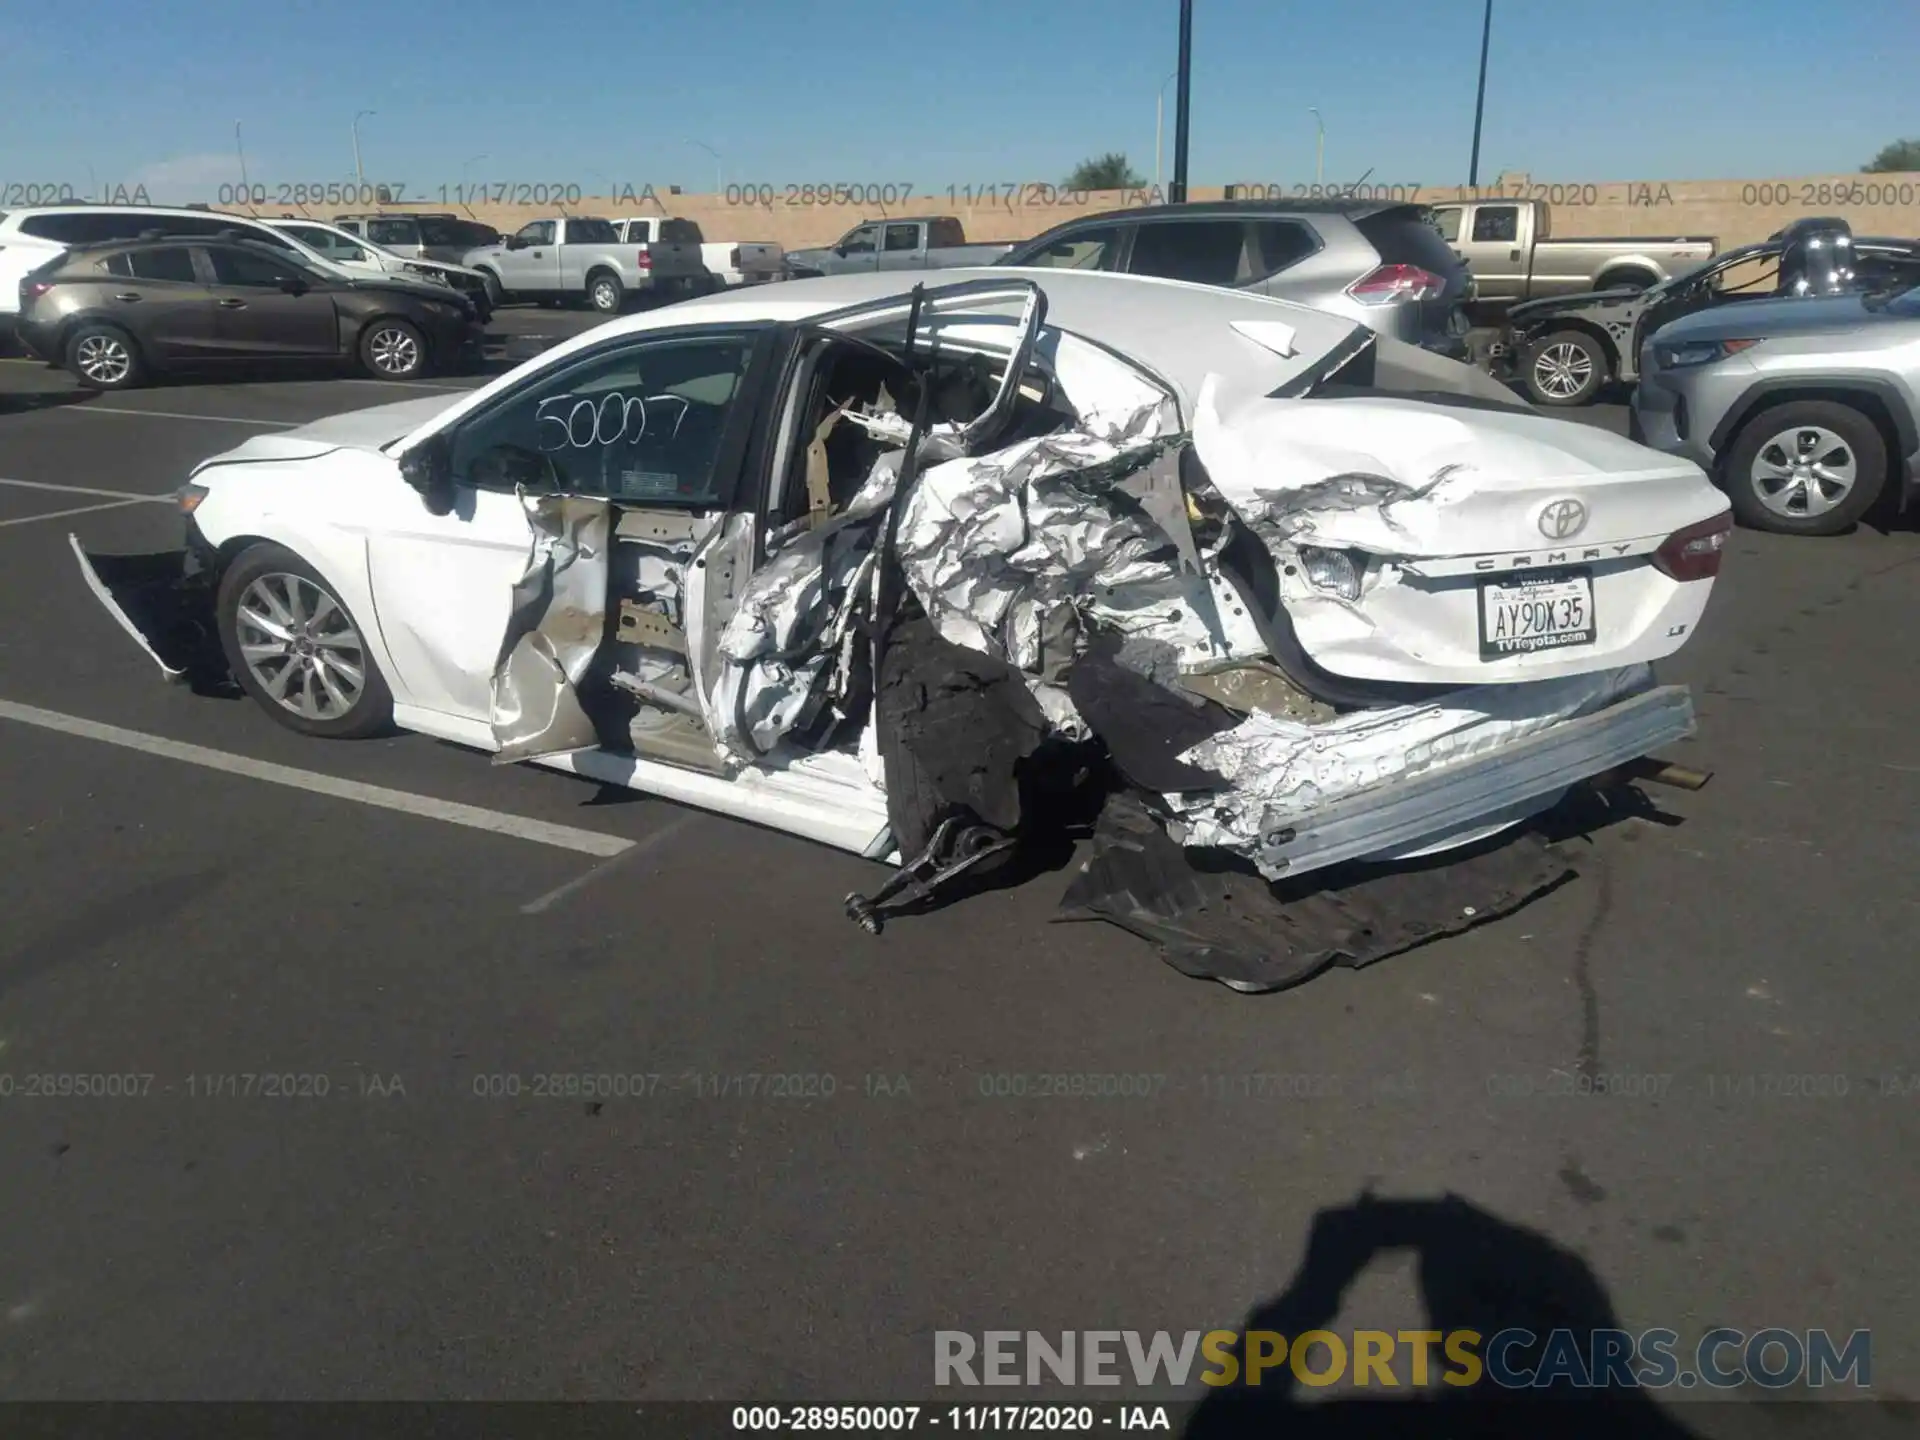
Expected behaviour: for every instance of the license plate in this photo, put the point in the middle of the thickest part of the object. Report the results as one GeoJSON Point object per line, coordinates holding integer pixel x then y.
{"type": "Point", "coordinates": [1538, 612]}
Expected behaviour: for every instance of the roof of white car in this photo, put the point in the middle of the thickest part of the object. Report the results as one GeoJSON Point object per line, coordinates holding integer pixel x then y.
{"type": "Point", "coordinates": [1181, 330]}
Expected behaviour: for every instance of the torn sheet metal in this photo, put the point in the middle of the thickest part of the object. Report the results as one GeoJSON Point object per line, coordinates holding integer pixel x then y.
{"type": "Point", "coordinates": [785, 634]}
{"type": "Point", "coordinates": [1215, 922]}
{"type": "Point", "coordinates": [993, 544]}
{"type": "Point", "coordinates": [1279, 771]}
{"type": "Point", "coordinates": [557, 622]}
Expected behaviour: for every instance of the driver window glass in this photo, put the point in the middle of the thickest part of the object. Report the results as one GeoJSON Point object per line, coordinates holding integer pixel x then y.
{"type": "Point", "coordinates": [642, 425]}
{"type": "Point", "coordinates": [392, 232]}
{"type": "Point", "coordinates": [1447, 222]}
{"type": "Point", "coordinates": [242, 267]}
{"type": "Point", "coordinates": [1496, 223]}
{"type": "Point", "coordinates": [860, 241]}
{"type": "Point", "coordinates": [539, 232]}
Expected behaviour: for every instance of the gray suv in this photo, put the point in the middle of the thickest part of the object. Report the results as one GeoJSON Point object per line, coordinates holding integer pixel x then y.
{"type": "Point", "coordinates": [1801, 409]}
{"type": "Point", "coordinates": [1379, 262]}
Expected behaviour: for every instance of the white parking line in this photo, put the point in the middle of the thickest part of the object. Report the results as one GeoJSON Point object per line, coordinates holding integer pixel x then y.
{"type": "Point", "coordinates": [579, 882]}
{"type": "Point", "coordinates": [541, 832]}
{"type": "Point", "coordinates": [164, 499]}
{"type": "Point", "coordinates": [77, 510]}
{"type": "Point", "coordinates": [173, 415]}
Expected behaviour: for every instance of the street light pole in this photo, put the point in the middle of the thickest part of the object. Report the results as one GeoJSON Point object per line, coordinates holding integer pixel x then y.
{"type": "Point", "coordinates": [1160, 124]}
{"type": "Point", "coordinates": [1480, 99]}
{"type": "Point", "coordinates": [359, 175]}
{"type": "Point", "coordinates": [1178, 194]}
{"type": "Point", "coordinates": [1320, 146]}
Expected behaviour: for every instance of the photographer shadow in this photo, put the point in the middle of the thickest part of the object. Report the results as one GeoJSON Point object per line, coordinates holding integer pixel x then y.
{"type": "Point", "coordinates": [1477, 1272]}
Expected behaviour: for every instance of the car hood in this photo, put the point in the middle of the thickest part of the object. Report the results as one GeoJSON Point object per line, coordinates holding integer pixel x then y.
{"type": "Point", "coordinates": [368, 429]}
{"type": "Point", "coordinates": [421, 289]}
{"type": "Point", "coordinates": [1530, 310]}
{"type": "Point", "coordinates": [1809, 316]}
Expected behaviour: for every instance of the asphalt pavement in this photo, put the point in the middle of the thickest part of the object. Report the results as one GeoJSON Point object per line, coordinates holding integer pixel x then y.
{"type": "Point", "coordinates": [352, 1165]}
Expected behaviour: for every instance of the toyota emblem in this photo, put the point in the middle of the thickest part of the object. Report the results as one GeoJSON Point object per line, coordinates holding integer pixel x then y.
{"type": "Point", "coordinates": [1563, 519]}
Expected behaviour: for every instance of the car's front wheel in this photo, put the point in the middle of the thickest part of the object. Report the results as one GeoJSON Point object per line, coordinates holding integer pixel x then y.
{"type": "Point", "coordinates": [1565, 368]}
{"type": "Point", "coordinates": [104, 357]}
{"type": "Point", "coordinates": [1808, 467]}
{"type": "Point", "coordinates": [393, 349]}
{"type": "Point", "coordinates": [296, 649]}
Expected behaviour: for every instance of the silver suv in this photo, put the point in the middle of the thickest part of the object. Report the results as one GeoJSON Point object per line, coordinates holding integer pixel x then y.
{"type": "Point", "coordinates": [1801, 409]}
{"type": "Point", "coordinates": [1379, 262]}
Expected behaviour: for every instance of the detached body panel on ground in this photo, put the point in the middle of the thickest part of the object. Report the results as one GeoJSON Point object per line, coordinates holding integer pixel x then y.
{"type": "Point", "coordinates": [867, 563]}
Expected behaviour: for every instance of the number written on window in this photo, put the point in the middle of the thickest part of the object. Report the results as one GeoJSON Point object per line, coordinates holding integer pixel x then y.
{"type": "Point", "coordinates": [574, 422]}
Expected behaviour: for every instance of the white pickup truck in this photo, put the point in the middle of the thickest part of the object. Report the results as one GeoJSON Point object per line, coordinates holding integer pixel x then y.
{"type": "Point", "coordinates": [571, 257]}
{"type": "Point", "coordinates": [726, 263]}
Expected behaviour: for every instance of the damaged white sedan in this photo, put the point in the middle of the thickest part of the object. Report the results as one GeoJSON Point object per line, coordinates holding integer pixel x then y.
{"type": "Point", "coordinates": [894, 569]}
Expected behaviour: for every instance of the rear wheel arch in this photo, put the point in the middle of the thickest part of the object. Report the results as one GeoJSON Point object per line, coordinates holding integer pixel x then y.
{"type": "Point", "coordinates": [1631, 273]}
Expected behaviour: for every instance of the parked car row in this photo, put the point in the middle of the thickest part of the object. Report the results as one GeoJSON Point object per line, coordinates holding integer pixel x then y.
{"type": "Point", "coordinates": [1788, 369]}
{"type": "Point", "coordinates": [119, 294]}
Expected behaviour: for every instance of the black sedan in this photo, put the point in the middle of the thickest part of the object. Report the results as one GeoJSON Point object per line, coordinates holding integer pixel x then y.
{"type": "Point", "coordinates": [117, 313]}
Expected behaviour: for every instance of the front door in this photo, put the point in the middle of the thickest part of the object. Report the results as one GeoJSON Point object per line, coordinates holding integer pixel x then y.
{"type": "Point", "coordinates": [859, 251]}
{"type": "Point", "coordinates": [267, 309]}
{"type": "Point", "coordinates": [585, 499]}
{"type": "Point", "coordinates": [533, 261]}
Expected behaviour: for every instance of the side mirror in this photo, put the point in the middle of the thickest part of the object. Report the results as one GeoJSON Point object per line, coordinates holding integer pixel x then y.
{"type": "Point", "coordinates": [428, 468]}
{"type": "Point", "coordinates": [294, 285]}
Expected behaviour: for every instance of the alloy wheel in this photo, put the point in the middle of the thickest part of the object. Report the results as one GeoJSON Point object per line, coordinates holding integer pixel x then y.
{"type": "Point", "coordinates": [1804, 471]}
{"type": "Point", "coordinates": [1562, 370]}
{"type": "Point", "coordinates": [392, 351]}
{"type": "Point", "coordinates": [300, 646]}
{"type": "Point", "coordinates": [604, 297]}
{"type": "Point", "coordinates": [104, 359]}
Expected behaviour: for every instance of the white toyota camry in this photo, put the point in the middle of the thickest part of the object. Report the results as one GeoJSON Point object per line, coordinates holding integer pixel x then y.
{"type": "Point", "coordinates": [849, 558]}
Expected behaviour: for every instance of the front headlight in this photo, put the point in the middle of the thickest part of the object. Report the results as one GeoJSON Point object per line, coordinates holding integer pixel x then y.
{"type": "Point", "coordinates": [1698, 352]}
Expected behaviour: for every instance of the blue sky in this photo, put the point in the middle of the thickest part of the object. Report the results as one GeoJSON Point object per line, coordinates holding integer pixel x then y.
{"type": "Point", "coordinates": [965, 91]}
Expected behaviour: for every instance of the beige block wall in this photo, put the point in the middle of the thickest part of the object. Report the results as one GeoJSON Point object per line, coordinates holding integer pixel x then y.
{"type": "Point", "coordinates": [1733, 211]}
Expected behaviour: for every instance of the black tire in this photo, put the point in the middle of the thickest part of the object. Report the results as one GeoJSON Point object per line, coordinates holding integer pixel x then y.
{"type": "Point", "coordinates": [1564, 369]}
{"type": "Point", "coordinates": [104, 357]}
{"type": "Point", "coordinates": [371, 710]}
{"type": "Point", "coordinates": [605, 293]}
{"type": "Point", "coordinates": [496, 294]}
{"type": "Point", "coordinates": [1765, 430]}
{"type": "Point", "coordinates": [394, 349]}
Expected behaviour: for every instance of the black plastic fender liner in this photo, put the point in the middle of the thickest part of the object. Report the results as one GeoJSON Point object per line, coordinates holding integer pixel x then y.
{"type": "Point", "coordinates": [1215, 921]}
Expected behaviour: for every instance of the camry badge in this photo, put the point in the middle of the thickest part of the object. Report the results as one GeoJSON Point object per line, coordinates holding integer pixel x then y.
{"type": "Point", "coordinates": [1563, 519]}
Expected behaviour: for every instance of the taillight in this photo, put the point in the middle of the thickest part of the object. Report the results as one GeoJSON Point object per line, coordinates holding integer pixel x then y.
{"type": "Point", "coordinates": [33, 289]}
{"type": "Point", "coordinates": [1397, 282]}
{"type": "Point", "coordinates": [733, 258]}
{"type": "Point", "coordinates": [645, 262]}
{"type": "Point", "coordinates": [1694, 553]}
